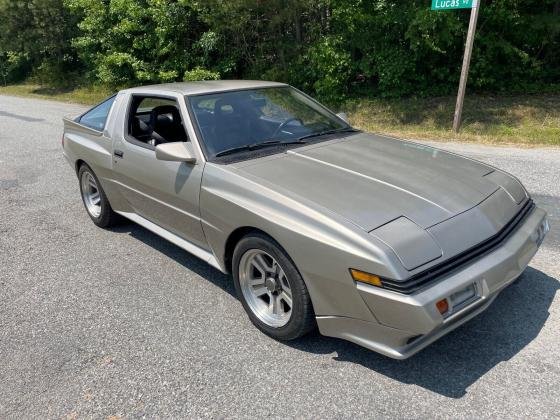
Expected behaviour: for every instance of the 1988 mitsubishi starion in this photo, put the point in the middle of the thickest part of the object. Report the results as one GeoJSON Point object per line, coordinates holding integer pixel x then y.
{"type": "Point", "coordinates": [387, 243]}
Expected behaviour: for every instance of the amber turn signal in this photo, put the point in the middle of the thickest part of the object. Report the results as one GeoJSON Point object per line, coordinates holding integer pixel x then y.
{"type": "Point", "coordinates": [442, 306]}
{"type": "Point", "coordinates": [366, 277]}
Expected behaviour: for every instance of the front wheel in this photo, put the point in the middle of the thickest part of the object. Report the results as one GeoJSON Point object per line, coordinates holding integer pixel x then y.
{"type": "Point", "coordinates": [271, 289]}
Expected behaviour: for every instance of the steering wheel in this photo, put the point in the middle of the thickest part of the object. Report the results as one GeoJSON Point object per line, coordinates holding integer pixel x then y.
{"type": "Point", "coordinates": [284, 124]}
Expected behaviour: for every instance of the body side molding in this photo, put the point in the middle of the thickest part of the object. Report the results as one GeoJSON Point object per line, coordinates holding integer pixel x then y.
{"type": "Point", "coordinates": [174, 239]}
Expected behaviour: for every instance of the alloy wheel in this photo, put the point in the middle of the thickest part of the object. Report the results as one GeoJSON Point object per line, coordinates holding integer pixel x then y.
{"type": "Point", "coordinates": [265, 287]}
{"type": "Point", "coordinates": [91, 194]}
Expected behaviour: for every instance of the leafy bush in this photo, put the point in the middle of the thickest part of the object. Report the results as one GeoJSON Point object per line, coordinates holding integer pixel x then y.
{"type": "Point", "coordinates": [199, 73]}
{"type": "Point", "coordinates": [14, 66]}
{"type": "Point", "coordinates": [331, 48]}
{"type": "Point", "coordinates": [329, 66]}
{"type": "Point", "coordinates": [119, 69]}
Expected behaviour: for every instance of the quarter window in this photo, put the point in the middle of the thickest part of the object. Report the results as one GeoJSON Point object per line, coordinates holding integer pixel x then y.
{"type": "Point", "coordinates": [96, 117]}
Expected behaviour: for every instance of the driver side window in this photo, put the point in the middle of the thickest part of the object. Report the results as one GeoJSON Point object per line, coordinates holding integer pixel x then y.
{"type": "Point", "coordinates": [155, 120]}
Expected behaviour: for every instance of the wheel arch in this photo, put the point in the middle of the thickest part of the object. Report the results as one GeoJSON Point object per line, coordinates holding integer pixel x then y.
{"type": "Point", "coordinates": [234, 238]}
{"type": "Point", "coordinates": [78, 164]}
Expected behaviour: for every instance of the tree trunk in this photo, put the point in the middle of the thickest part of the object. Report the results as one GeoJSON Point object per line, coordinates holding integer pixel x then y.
{"type": "Point", "coordinates": [298, 25]}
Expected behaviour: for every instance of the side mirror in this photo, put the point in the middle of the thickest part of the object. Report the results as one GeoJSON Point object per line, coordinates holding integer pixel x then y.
{"type": "Point", "coordinates": [176, 152]}
{"type": "Point", "coordinates": [343, 117]}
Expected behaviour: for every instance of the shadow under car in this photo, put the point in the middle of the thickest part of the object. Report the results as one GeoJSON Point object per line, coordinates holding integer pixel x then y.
{"type": "Point", "coordinates": [448, 366]}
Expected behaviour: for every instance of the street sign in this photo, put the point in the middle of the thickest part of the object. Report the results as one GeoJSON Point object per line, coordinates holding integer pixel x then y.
{"type": "Point", "coordinates": [453, 4]}
{"type": "Point", "coordinates": [475, 7]}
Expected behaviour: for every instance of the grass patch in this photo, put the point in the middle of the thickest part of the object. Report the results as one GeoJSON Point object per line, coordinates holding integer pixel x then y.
{"type": "Point", "coordinates": [526, 120]}
{"type": "Point", "coordinates": [81, 95]}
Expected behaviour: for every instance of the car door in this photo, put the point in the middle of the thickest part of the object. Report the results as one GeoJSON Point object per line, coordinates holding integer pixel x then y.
{"type": "Point", "coordinates": [165, 193]}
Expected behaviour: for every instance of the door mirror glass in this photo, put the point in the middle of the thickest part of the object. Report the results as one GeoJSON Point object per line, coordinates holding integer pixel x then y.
{"type": "Point", "coordinates": [343, 117]}
{"type": "Point", "coordinates": [177, 152]}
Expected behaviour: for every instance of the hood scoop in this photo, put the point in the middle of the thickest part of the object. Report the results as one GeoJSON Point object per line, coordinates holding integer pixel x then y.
{"type": "Point", "coordinates": [412, 244]}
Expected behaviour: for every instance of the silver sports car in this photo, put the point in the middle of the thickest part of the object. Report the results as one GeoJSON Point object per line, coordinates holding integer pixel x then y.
{"type": "Point", "coordinates": [387, 243]}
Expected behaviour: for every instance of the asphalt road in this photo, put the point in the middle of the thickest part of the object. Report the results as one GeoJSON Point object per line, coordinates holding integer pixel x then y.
{"type": "Point", "coordinates": [99, 323]}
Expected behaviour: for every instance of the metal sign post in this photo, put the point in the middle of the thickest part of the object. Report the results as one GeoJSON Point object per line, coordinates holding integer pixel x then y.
{"type": "Point", "coordinates": [474, 5]}
{"type": "Point", "coordinates": [466, 64]}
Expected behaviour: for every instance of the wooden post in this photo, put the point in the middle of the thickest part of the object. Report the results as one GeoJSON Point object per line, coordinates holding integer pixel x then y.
{"type": "Point", "coordinates": [466, 64]}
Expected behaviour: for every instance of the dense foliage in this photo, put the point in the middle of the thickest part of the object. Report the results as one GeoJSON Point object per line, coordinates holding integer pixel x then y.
{"type": "Point", "coordinates": [333, 48]}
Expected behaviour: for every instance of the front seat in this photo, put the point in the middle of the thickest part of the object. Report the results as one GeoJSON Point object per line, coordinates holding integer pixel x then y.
{"type": "Point", "coordinates": [231, 128]}
{"type": "Point", "coordinates": [165, 121]}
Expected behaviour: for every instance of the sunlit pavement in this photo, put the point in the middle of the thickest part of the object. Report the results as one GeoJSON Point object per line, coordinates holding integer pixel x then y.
{"type": "Point", "coordinates": [97, 323]}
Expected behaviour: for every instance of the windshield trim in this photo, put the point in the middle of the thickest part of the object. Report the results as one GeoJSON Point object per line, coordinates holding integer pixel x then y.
{"type": "Point", "coordinates": [211, 157]}
{"type": "Point", "coordinates": [214, 92]}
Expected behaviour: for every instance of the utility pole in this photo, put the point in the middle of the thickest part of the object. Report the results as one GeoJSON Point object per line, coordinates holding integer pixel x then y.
{"type": "Point", "coordinates": [466, 63]}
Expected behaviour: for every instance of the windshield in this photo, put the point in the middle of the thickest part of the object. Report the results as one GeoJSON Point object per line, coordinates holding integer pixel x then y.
{"type": "Point", "coordinates": [237, 121]}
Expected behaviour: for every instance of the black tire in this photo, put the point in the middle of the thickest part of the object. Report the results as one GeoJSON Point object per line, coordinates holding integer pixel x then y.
{"type": "Point", "coordinates": [302, 319]}
{"type": "Point", "coordinates": [107, 217]}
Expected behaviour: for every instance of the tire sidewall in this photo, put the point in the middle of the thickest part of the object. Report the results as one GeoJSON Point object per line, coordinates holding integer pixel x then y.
{"type": "Point", "coordinates": [103, 219]}
{"type": "Point", "coordinates": [297, 323]}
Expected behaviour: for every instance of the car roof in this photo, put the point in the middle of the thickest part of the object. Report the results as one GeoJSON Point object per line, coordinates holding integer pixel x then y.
{"type": "Point", "coordinates": [202, 87]}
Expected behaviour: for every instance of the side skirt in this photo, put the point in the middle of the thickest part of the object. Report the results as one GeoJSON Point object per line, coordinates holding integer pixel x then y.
{"type": "Point", "coordinates": [174, 239]}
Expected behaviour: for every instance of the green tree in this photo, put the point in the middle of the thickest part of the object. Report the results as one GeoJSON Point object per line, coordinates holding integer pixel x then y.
{"type": "Point", "coordinates": [332, 48]}
{"type": "Point", "coordinates": [128, 41]}
{"type": "Point", "coordinates": [35, 36]}
{"type": "Point", "coordinates": [262, 39]}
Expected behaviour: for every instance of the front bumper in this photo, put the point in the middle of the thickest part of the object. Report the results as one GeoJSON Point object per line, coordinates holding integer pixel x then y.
{"type": "Point", "coordinates": [408, 323]}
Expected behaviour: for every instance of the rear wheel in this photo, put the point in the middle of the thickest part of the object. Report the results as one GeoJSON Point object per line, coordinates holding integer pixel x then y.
{"type": "Point", "coordinates": [94, 198]}
{"type": "Point", "coordinates": [271, 289]}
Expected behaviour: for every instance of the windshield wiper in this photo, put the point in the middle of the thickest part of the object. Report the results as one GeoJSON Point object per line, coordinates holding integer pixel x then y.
{"type": "Point", "coordinates": [324, 133]}
{"type": "Point", "coordinates": [268, 143]}
{"type": "Point", "coordinates": [256, 146]}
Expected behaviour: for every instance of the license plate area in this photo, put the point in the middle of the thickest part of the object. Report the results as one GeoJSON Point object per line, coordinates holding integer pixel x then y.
{"type": "Point", "coordinates": [461, 299]}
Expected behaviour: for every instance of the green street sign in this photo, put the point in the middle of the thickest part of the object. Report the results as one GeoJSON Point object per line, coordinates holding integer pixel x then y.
{"type": "Point", "coordinates": [453, 4]}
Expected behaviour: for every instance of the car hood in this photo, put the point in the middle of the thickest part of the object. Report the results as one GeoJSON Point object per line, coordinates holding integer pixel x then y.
{"type": "Point", "coordinates": [371, 180]}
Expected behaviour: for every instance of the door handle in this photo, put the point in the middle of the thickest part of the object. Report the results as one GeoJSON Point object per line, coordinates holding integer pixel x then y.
{"type": "Point", "coordinates": [118, 153]}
